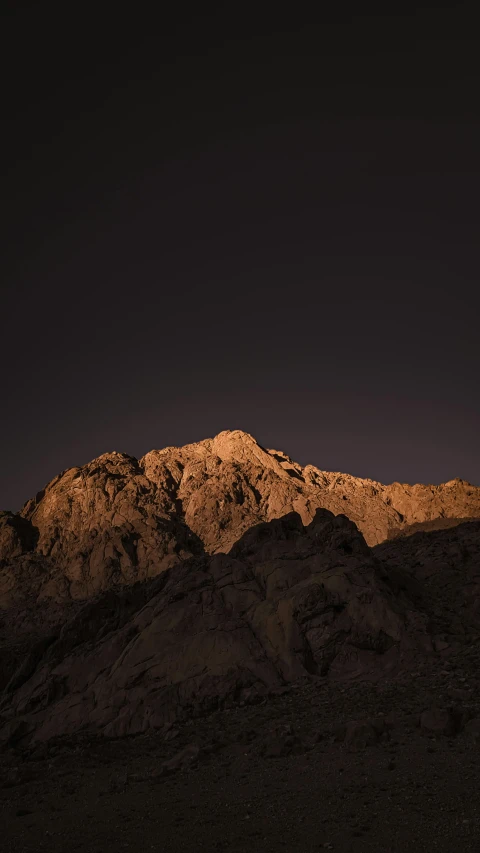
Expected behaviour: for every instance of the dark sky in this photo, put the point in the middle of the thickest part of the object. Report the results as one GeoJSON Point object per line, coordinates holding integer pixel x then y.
{"type": "Point", "coordinates": [265, 223]}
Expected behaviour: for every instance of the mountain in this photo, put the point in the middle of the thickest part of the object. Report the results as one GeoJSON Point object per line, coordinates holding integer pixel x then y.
{"type": "Point", "coordinates": [302, 668]}
{"type": "Point", "coordinates": [138, 592]}
{"type": "Point", "coordinates": [117, 519]}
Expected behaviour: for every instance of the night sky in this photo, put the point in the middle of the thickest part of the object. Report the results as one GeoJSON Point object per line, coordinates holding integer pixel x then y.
{"type": "Point", "coordinates": [261, 223]}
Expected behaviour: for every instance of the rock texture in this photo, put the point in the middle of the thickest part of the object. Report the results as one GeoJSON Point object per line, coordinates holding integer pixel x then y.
{"type": "Point", "coordinates": [138, 592]}
{"type": "Point", "coordinates": [440, 571]}
{"type": "Point", "coordinates": [287, 602]}
{"type": "Point", "coordinates": [316, 767]}
{"type": "Point", "coordinates": [120, 520]}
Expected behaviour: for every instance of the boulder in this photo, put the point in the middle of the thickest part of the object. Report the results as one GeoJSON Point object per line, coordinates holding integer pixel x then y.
{"type": "Point", "coordinates": [438, 721]}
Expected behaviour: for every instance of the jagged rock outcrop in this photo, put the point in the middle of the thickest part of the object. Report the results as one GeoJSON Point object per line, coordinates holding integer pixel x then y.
{"type": "Point", "coordinates": [118, 520]}
{"type": "Point", "coordinates": [287, 601]}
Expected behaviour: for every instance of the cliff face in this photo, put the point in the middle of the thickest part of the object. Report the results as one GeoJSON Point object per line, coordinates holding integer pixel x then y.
{"type": "Point", "coordinates": [119, 520]}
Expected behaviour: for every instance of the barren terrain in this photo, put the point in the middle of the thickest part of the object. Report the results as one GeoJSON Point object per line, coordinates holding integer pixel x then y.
{"type": "Point", "coordinates": [201, 651]}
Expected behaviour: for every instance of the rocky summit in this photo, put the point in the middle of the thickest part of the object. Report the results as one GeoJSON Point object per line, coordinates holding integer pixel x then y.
{"type": "Point", "coordinates": [118, 520]}
{"type": "Point", "coordinates": [229, 609]}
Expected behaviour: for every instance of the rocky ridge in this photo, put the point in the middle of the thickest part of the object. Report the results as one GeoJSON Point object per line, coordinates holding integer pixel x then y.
{"type": "Point", "coordinates": [120, 520]}
{"type": "Point", "coordinates": [138, 592]}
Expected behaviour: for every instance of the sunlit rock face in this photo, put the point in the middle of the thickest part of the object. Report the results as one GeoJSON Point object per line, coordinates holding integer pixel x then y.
{"type": "Point", "coordinates": [117, 519]}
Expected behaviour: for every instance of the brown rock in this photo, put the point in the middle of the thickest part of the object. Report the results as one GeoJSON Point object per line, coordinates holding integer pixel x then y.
{"type": "Point", "coordinates": [281, 742]}
{"type": "Point", "coordinates": [183, 759]}
{"type": "Point", "coordinates": [358, 735]}
{"type": "Point", "coordinates": [288, 601]}
{"type": "Point", "coordinates": [439, 572]}
{"type": "Point", "coordinates": [117, 520]}
{"type": "Point", "coordinates": [137, 592]}
{"type": "Point", "coordinates": [472, 729]}
{"type": "Point", "coordinates": [13, 731]}
{"type": "Point", "coordinates": [459, 695]}
{"type": "Point", "coordinates": [438, 721]}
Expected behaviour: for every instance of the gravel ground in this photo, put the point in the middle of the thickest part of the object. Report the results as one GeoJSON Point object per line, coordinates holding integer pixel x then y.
{"type": "Point", "coordinates": [279, 775]}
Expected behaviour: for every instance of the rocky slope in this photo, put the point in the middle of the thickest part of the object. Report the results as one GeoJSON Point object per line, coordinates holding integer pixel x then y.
{"type": "Point", "coordinates": [134, 592]}
{"type": "Point", "coordinates": [319, 766]}
{"type": "Point", "coordinates": [316, 763]}
{"type": "Point", "coordinates": [119, 519]}
{"type": "Point", "coordinates": [287, 602]}
{"type": "Point", "coordinates": [441, 571]}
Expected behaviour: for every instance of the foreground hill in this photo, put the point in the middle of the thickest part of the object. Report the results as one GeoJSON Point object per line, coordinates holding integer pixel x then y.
{"type": "Point", "coordinates": [303, 692]}
{"type": "Point", "coordinates": [288, 601]}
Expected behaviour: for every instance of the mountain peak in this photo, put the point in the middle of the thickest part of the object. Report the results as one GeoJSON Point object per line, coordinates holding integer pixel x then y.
{"type": "Point", "coordinates": [118, 519]}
